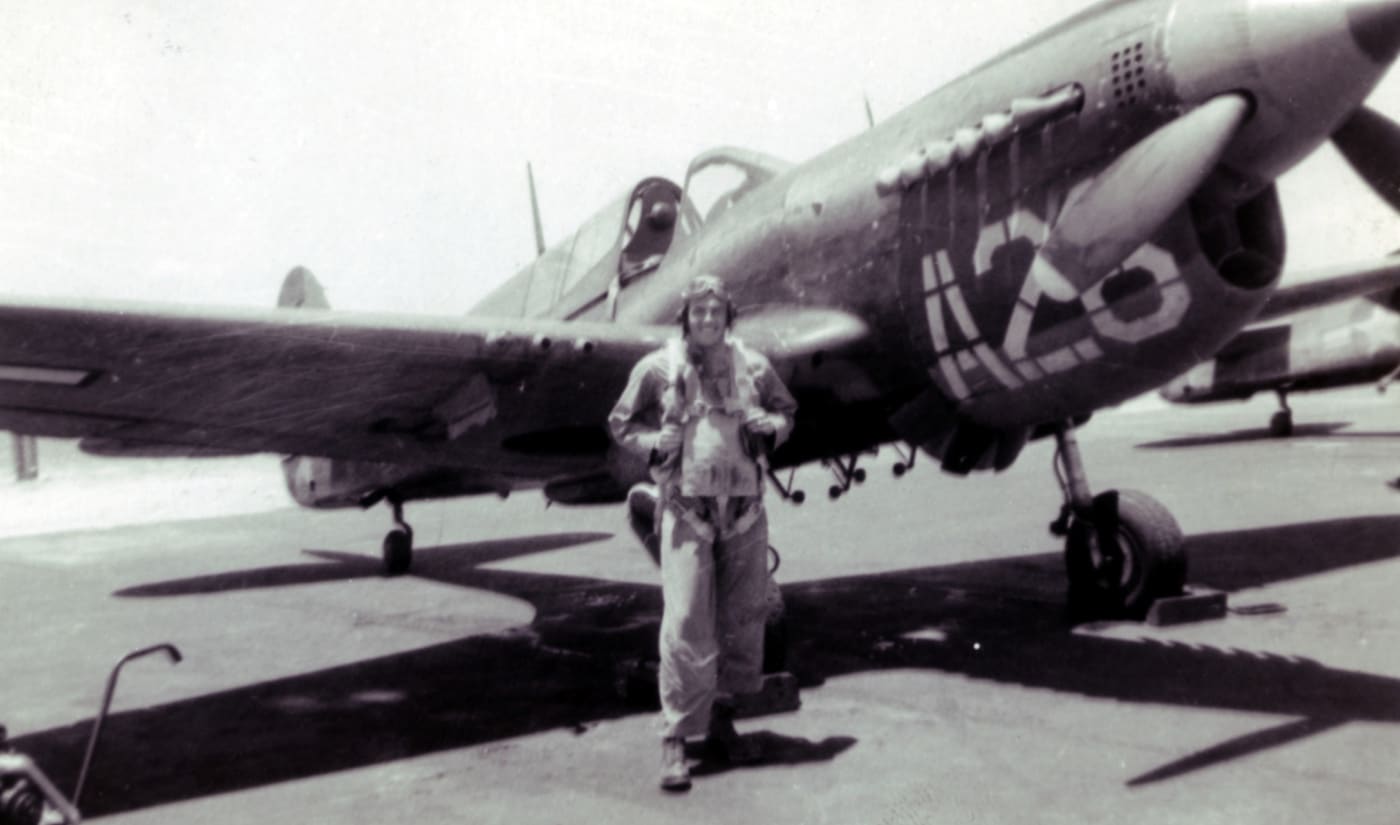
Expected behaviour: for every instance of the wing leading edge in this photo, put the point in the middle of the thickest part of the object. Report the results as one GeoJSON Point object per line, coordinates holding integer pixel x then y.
{"type": "Point", "coordinates": [1332, 285]}
{"type": "Point", "coordinates": [524, 397]}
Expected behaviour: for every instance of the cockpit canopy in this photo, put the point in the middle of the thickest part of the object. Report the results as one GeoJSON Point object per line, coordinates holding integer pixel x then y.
{"type": "Point", "coordinates": [721, 177]}
{"type": "Point", "coordinates": [629, 237]}
{"type": "Point", "coordinates": [623, 236]}
{"type": "Point", "coordinates": [626, 238]}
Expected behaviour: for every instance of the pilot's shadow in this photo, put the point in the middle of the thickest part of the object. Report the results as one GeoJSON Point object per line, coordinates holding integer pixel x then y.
{"type": "Point", "coordinates": [773, 749]}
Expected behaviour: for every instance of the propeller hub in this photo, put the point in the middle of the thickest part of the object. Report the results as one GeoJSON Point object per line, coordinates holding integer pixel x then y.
{"type": "Point", "coordinates": [1305, 64]}
{"type": "Point", "coordinates": [1375, 25]}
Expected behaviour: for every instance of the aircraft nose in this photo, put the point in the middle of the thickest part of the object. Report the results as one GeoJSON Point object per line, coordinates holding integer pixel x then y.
{"type": "Point", "coordinates": [1306, 64]}
{"type": "Point", "coordinates": [1375, 25]}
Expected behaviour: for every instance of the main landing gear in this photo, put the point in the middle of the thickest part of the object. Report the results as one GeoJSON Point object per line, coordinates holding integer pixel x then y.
{"type": "Point", "coordinates": [1281, 424]}
{"type": "Point", "coordinates": [1123, 550]}
{"type": "Point", "coordinates": [398, 543]}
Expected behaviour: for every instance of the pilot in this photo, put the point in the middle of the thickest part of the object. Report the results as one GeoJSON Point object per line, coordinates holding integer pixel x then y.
{"type": "Point", "coordinates": [704, 411]}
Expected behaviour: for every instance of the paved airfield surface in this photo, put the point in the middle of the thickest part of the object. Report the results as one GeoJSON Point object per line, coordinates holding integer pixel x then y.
{"type": "Point", "coordinates": [941, 682]}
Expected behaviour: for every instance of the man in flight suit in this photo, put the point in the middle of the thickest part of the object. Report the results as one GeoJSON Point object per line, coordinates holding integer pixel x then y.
{"type": "Point", "coordinates": [704, 411]}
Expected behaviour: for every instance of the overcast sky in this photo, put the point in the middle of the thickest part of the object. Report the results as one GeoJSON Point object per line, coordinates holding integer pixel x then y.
{"type": "Point", "coordinates": [195, 152]}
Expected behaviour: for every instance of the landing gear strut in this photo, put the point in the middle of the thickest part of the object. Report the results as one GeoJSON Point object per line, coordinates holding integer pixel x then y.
{"type": "Point", "coordinates": [907, 456]}
{"type": "Point", "coordinates": [398, 543]}
{"type": "Point", "coordinates": [1123, 550]}
{"type": "Point", "coordinates": [1281, 424]}
{"type": "Point", "coordinates": [846, 472]}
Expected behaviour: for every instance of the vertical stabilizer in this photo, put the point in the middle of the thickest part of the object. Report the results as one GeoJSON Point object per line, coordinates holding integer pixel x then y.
{"type": "Point", "coordinates": [301, 290]}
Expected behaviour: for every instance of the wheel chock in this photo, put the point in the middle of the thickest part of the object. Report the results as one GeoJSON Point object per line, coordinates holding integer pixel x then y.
{"type": "Point", "coordinates": [634, 682]}
{"type": "Point", "coordinates": [1195, 604]}
{"type": "Point", "coordinates": [778, 695]}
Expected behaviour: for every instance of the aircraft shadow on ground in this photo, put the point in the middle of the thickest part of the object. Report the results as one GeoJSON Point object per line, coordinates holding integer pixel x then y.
{"type": "Point", "coordinates": [1322, 429]}
{"type": "Point", "coordinates": [439, 562]}
{"type": "Point", "coordinates": [1327, 429]}
{"type": "Point", "coordinates": [1000, 620]}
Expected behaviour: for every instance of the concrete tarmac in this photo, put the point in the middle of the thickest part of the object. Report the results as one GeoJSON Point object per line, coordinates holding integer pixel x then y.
{"type": "Point", "coordinates": [941, 680]}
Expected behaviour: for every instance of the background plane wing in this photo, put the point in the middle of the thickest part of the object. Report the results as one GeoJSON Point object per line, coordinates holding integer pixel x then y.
{"type": "Point", "coordinates": [443, 391]}
{"type": "Point", "coordinates": [1334, 284]}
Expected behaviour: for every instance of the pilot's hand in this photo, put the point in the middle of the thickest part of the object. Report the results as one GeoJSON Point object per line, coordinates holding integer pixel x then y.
{"type": "Point", "coordinates": [761, 424]}
{"type": "Point", "coordinates": [669, 439]}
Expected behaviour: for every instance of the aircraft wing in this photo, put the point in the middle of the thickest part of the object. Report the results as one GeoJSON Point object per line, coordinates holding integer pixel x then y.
{"type": "Point", "coordinates": [1334, 284]}
{"type": "Point", "coordinates": [393, 388]}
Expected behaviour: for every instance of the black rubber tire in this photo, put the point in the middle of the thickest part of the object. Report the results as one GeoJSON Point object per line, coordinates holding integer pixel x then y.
{"type": "Point", "coordinates": [1281, 424]}
{"type": "Point", "coordinates": [1126, 556]}
{"type": "Point", "coordinates": [398, 552]}
{"type": "Point", "coordinates": [20, 804]}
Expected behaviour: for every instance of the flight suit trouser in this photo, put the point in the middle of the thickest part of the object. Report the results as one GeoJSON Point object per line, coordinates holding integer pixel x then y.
{"type": "Point", "coordinates": [715, 608]}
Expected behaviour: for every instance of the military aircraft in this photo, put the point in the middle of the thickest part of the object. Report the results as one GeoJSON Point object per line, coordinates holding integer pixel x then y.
{"type": "Point", "coordinates": [1069, 225]}
{"type": "Point", "coordinates": [1352, 342]}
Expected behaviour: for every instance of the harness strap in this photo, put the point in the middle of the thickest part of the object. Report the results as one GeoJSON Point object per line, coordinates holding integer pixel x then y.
{"type": "Point", "coordinates": [684, 399]}
{"type": "Point", "coordinates": [706, 529]}
{"type": "Point", "coordinates": [697, 522]}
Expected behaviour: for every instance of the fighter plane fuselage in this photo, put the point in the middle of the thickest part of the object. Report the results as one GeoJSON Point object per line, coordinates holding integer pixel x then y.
{"type": "Point", "coordinates": [1071, 224]}
{"type": "Point", "coordinates": [927, 225]}
{"type": "Point", "coordinates": [1064, 227]}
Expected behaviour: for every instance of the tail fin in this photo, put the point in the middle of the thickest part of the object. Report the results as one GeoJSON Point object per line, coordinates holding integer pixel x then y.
{"type": "Point", "coordinates": [301, 290]}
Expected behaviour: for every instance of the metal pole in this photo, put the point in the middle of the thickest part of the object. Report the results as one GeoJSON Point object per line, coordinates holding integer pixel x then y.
{"type": "Point", "coordinates": [171, 651]}
{"type": "Point", "coordinates": [1080, 496]}
{"type": "Point", "coordinates": [26, 457]}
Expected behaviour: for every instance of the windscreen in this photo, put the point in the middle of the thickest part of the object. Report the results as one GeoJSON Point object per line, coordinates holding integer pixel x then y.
{"type": "Point", "coordinates": [562, 265]}
{"type": "Point", "coordinates": [720, 178]}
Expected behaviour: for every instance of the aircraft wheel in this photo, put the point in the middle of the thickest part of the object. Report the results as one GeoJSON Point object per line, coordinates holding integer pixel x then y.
{"type": "Point", "coordinates": [398, 551]}
{"type": "Point", "coordinates": [1128, 556]}
{"type": "Point", "coordinates": [20, 804]}
{"type": "Point", "coordinates": [1281, 424]}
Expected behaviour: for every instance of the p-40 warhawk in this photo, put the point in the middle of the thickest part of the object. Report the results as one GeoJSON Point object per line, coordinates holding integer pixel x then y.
{"type": "Point", "coordinates": [1285, 351]}
{"type": "Point", "coordinates": [1069, 225]}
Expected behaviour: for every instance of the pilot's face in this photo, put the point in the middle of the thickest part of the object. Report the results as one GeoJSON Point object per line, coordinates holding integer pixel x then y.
{"type": "Point", "coordinates": [707, 320]}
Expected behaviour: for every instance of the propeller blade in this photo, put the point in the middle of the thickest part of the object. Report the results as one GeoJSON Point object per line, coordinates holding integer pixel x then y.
{"type": "Point", "coordinates": [1119, 209]}
{"type": "Point", "coordinates": [1371, 144]}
